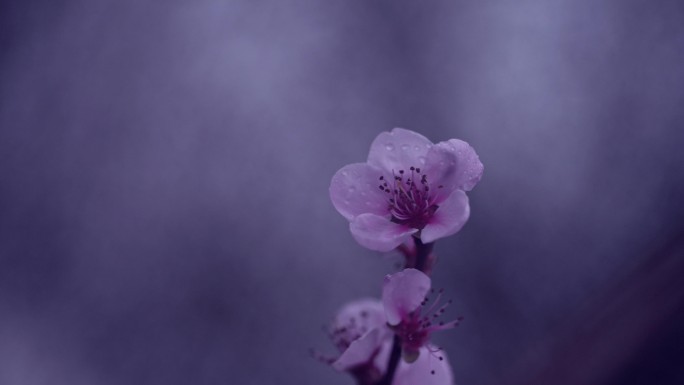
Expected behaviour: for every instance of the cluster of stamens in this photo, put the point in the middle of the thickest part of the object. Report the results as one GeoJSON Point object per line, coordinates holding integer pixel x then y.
{"type": "Point", "coordinates": [410, 201]}
{"type": "Point", "coordinates": [416, 329]}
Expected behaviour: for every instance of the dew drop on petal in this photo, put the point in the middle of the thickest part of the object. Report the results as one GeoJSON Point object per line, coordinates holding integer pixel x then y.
{"type": "Point", "coordinates": [344, 173]}
{"type": "Point", "coordinates": [421, 159]}
{"type": "Point", "coordinates": [389, 147]}
{"type": "Point", "coordinates": [405, 147]}
{"type": "Point", "coordinates": [416, 148]}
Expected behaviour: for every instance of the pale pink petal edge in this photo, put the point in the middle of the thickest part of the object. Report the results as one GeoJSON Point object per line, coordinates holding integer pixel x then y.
{"type": "Point", "coordinates": [403, 292]}
{"type": "Point", "coordinates": [449, 218]}
{"type": "Point", "coordinates": [379, 233]}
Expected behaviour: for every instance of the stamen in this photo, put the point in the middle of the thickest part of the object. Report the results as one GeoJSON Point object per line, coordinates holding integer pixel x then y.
{"type": "Point", "coordinates": [433, 353]}
{"type": "Point", "coordinates": [410, 202]}
{"type": "Point", "coordinates": [417, 326]}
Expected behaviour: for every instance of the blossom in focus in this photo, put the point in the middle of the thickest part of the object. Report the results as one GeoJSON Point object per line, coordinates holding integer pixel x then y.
{"type": "Point", "coordinates": [408, 186]}
{"type": "Point", "coordinates": [360, 332]}
{"type": "Point", "coordinates": [408, 313]}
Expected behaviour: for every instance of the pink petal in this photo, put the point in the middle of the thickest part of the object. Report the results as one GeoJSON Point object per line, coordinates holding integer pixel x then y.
{"type": "Point", "coordinates": [361, 351]}
{"type": "Point", "coordinates": [399, 150]}
{"type": "Point", "coordinates": [354, 190]}
{"type": "Point", "coordinates": [454, 165]}
{"type": "Point", "coordinates": [420, 371]}
{"type": "Point", "coordinates": [378, 232]}
{"type": "Point", "coordinates": [403, 293]}
{"type": "Point", "coordinates": [364, 314]}
{"type": "Point", "coordinates": [449, 218]}
{"type": "Point", "coordinates": [382, 358]}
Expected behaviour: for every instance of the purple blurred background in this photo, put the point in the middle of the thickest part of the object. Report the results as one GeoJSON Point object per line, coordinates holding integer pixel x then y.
{"type": "Point", "coordinates": [164, 171]}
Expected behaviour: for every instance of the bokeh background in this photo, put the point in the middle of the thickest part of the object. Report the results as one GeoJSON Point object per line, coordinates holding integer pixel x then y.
{"type": "Point", "coordinates": [164, 172]}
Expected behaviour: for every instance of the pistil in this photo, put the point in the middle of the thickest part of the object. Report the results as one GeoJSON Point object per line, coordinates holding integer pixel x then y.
{"type": "Point", "coordinates": [409, 198]}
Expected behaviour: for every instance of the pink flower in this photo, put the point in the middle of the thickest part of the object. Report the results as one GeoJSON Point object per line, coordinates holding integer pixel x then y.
{"type": "Point", "coordinates": [404, 298]}
{"type": "Point", "coordinates": [360, 332]}
{"type": "Point", "coordinates": [408, 186]}
{"type": "Point", "coordinates": [431, 368]}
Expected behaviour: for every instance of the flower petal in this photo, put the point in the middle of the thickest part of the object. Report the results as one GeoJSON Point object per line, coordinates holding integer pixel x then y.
{"type": "Point", "coordinates": [399, 150]}
{"type": "Point", "coordinates": [453, 164]}
{"type": "Point", "coordinates": [359, 316]}
{"type": "Point", "coordinates": [382, 358]}
{"type": "Point", "coordinates": [421, 371]}
{"type": "Point", "coordinates": [449, 218]}
{"type": "Point", "coordinates": [403, 293]}
{"type": "Point", "coordinates": [379, 233]}
{"type": "Point", "coordinates": [354, 190]}
{"type": "Point", "coordinates": [361, 351]}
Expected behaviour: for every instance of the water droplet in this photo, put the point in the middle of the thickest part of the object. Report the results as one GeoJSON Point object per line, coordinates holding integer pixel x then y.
{"type": "Point", "coordinates": [416, 148]}
{"type": "Point", "coordinates": [421, 159]}
{"type": "Point", "coordinates": [389, 147]}
{"type": "Point", "coordinates": [346, 202]}
{"type": "Point", "coordinates": [405, 147]}
{"type": "Point", "coordinates": [344, 173]}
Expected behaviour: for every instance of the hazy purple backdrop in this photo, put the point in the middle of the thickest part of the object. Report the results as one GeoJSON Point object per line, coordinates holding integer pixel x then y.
{"type": "Point", "coordinates": [164, 171]}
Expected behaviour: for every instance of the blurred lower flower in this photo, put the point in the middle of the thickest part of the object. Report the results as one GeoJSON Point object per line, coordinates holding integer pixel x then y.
{"type": "Point", "coordinates": [405, 300]}
{"type": "Point", "coordinates": [362, 336]}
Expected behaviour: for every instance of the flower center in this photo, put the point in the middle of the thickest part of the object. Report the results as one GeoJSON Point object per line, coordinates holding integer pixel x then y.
{"type": "Point", "coordinates": [410, 201]}
{"type": "Point", "coordinates": [414, 330]}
